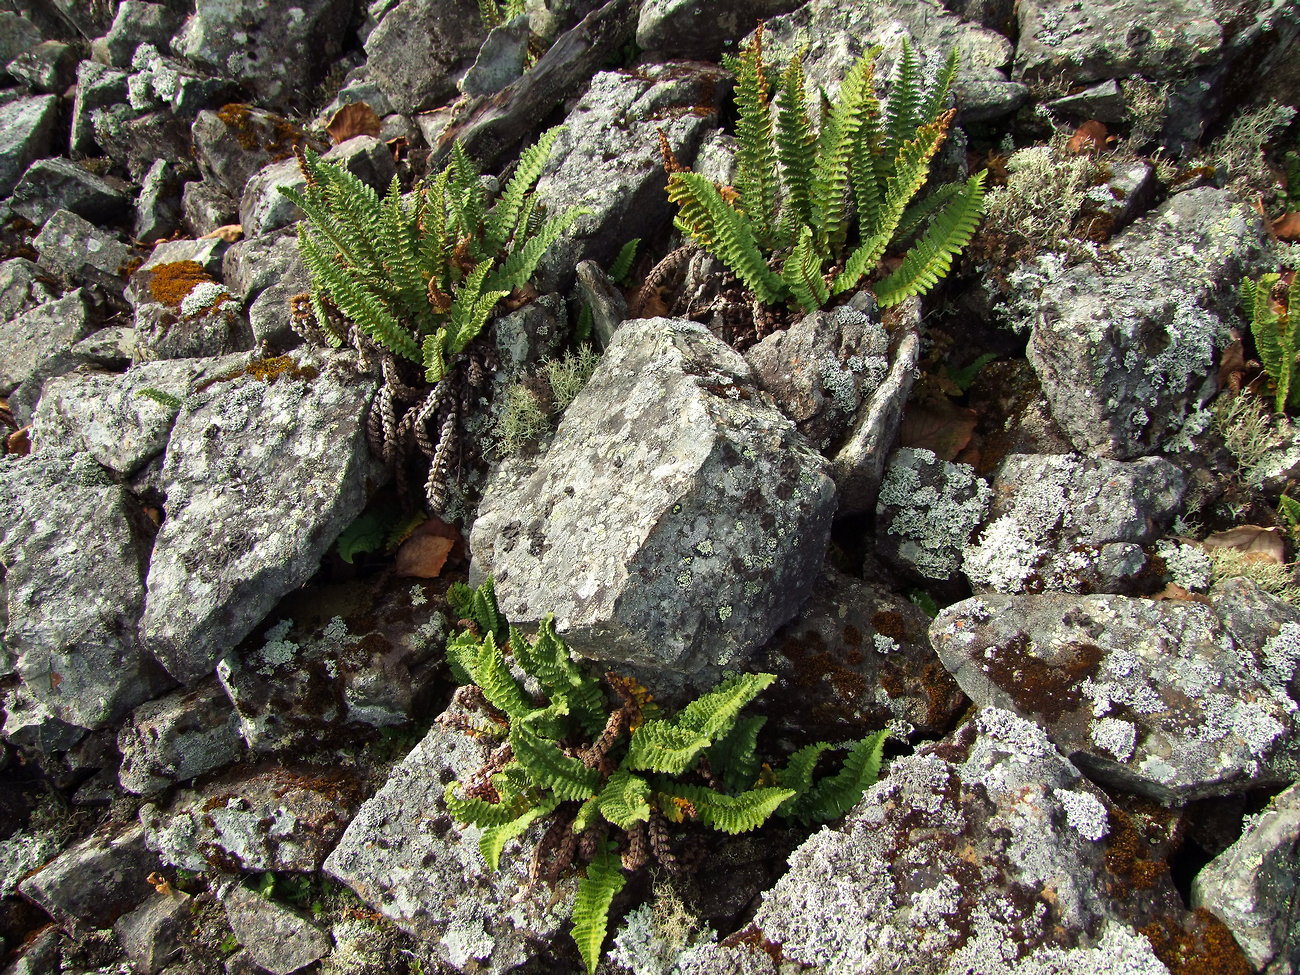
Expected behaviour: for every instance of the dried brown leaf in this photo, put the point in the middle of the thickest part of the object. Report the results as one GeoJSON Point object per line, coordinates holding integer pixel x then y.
{"type": "Point", "coordinates": [937, 425]}
{"type": "Point", "coordinates": [1091, 136]}
{"type": "Point", "coordinates": [230, 233]}
{"type": "Point", "coordinates": [426, 552]}
{"type": "Point", "coordinates": [352, 120]}
{"type": "Point", "coordinates": [1249, 540]}
{"type": "Point", "coordinates": [1287, 226]}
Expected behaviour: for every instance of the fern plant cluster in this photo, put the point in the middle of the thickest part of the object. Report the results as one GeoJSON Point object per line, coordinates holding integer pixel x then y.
{"type": "Point", "coordinates": [614, 780]}
{"type": "Point", "coordinates": [816, 209]}
{"type": "Point", "coordinates": [1274, 310]}
{"type": "Point", "coordinates": [416, 277]}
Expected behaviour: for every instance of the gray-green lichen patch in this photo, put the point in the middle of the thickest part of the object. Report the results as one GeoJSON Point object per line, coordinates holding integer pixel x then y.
{"type": "Point", "coordinates": [927, 511]}
{"type": "Point", "coordinates": [404, 856]}
{"type": "Point", "coordinates": [260, 478]}
{"type": "Point", "coordinates": [1153, 697]}
{"type": "Point", "coordinates": [670, 494]}
{"type": "Point", "coordinates": [979, 854]}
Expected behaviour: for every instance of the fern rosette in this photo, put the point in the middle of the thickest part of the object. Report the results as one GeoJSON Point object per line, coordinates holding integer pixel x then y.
{"type": "Point", "coordinates": [815, 210]}
{"type": "Point", "coordinates": [628, 770]}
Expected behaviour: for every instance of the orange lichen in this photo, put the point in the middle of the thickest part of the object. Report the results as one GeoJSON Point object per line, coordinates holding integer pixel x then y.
{"type": "Point", "coordinates": [269, 134]}
{"type": "Point", "coordinates": [170, 283]}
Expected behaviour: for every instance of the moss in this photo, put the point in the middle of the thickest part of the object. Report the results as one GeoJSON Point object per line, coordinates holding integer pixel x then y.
{"type": "Point", "coordinates": [1049, 689]}
{"type": "Point", "coordinates": [170, 283]}
{"type": "Point", "coordinates": [1201, 946]}
{"type": "Point", "coordinates": [1124, 856]}
{"type": "Point", "coordinates": [269, 134]}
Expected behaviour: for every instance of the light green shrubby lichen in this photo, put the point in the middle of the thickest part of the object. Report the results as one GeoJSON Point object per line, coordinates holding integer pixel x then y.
{"type": "Point", "coordinates": [1044, 191]}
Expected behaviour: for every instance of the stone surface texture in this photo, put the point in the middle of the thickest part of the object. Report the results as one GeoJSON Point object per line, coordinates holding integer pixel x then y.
{"type": "Point", "coordinates": [675, 521]}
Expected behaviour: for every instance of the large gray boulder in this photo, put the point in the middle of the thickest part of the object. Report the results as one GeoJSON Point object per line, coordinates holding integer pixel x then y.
{"type": "Point", "coordinates": [1125, 348]}
{"type": "Point", "coordinates": [26, 131]}
{"type": "Point", "coordinates": [701, 29]}
{"type": "Point", "coordinates": [278, 51]}
{"type": "Point", "coordinates": [1252, 887]}
{"type": "Point", "coordinates": [1152, 697]}
{"type": "Point", "coordinates": [404, 856]}
{"type": "Point", "coordinates": [420, 49]}
{"type": "Point", "coordinates": [976, 853]}
{"type": "Point", "coordinates": [676, 520]}
{"type": "Point", "coordinates": [263, 469]}
{"type": "Point", "coordinates": [74, 546]}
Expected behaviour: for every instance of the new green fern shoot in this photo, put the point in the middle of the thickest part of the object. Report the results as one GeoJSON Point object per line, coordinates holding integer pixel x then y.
{"type": "Point", "coordinates": [612, 780]}
{"type": "Point", "coordinates": [814, 210]}
{"type": "Point", "coordinates": [1274, 310]}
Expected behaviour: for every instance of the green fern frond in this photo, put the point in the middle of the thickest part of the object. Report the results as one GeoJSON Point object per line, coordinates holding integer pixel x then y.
{"type": "Point", "coordinates": [659, 746]}
{"type": "Point", "coordinates": [734, 757]}
{"type": "Point", "coordinates": [802, 273]}
{"type": "Point", "coordinates": [935, 101]}
{"type": "Point", "coordinates": [835, 795]}
{"type": "Point", "coordinates": [798, 770]}
{"type": "Point", "coordinates": [549, 768]}
{"type": "Point", "coordinates": [478, 812]}
{"type": "Point", "coordinates": [160, 396]}
{"type": "Point", "coordinates": [1275, 334]}
{"type": "Point", "coordinates": [622, 264]}
{"type": "Point", "coordinates": [756, 172]}
{"type": "Point", "coordinates": [835, 149]}
{"type": "Point", "coordinates": [515, 271]}
{"type": "Point", "coordinates": [596, 892]}
{"type": "Point", "coordinates": [713, 714]}
{"type": "Point", "coordinates": [731, 814]}
{"type": "Point", "coordinates": [931, 257]}
{"type": "Point", "coordinates": [726, 232]}
{"type": "Point", "coordinates": [504, 217]}
{"type": "Point", "coordinates": [795, 143]}
{"type": "Point", "coordinates": [903, 110]}
{"type": "Point", "coordinates": [489, 671]}
{"type": "Point", "coordinates": [467, 194]}
{"type": "Point", "coordinates": [625, 799]}
{"type": "Point", "coordinates": [495, 838]}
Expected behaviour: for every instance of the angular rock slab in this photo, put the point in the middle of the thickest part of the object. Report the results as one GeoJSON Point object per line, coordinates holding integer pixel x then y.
{"type": "Point", "coordinates": [73, 546]}
{"type": "Point", "coordinates": [96, 881]}
{"type": "Point", "coordinates": [26, 128]}
{"type": "Point", "coordinates": [403, 855]}
{"type": "Point", "coordinates": [676, 520]}
{"type": "Point", "coordinates": [261, 475]}
{"type": "Point", "coordinates": [1059, 521]}
{"type": "Point", "coordinates": [1152, 697]}
{"type": "Point", "coordinates": [1252, 887]}
{"type": "Point", "coordinates": [1126, 349]}
{"type": "Point", "coordinates": [177, 737]}
{"type": "Point", "coordinates": [420, 48]}
{"type": "Point", "coordinates": [278, 939]}
{"type": "Point", "coordinates": [983, 848]}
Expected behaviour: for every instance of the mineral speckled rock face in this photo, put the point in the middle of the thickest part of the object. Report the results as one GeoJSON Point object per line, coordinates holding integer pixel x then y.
{"type": "Point", "coordinates": [676, 520]}
{"type": "Point", "coordinates": [1151, 697]}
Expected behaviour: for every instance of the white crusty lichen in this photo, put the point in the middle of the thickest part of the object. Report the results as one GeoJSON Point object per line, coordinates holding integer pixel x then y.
{"type": "Point", "coordinates": [1188, 565]}
{"type": "Point", "coordinates": [1085, 813]}
{"type": "Point", "coordinates": [1115, 736]}
{"type": "Point", "coordinates": [932, 522]}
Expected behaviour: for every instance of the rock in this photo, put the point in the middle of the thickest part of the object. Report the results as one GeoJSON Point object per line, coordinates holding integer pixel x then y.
{"type": "Point", "coordinates": [278, 52]}
{"type": "Point", "coordinates": [42, 956]}
{"type": "Point", "coordinates": [700, 31]}
{"type": "Point", "coordinates": [207, 206]}
{"type": "Point", "coordinates": [1252, 887]}
{"type": "Point", "coordinates": [1150, 697]}
{"type": "Point", "coordinates": [181, 312]}
{"type": "Point", "coordinates": [1052, 517]}
{"type": "Point", "coordinates": [607, 159]}
{"type": "Point", "coordinates": [548, 18]}
{"type": "Point", "coordinates": [174, 87]}
{"type": "Point", "coordinates": [135, 23]}
{"type": "Point", "coordinates": [139, 140]}
{"type": "Point", "coordinates": [30, 724]}
{"type": "Point", "coordinates": [26, 134]}
{"type": "Point", "coordinates": [1058, 39]}
{"type": "Point", "coordinates": [177, 737]}
{"type": "Point", "coordinates": [606, 301]}
{"type": "Point", "coordinates": [263, 208]}
{"type": "Point", "coordinates": [277, 939]}
{"type": "Point", "coordinates": [262, 472]}
{"type": "Point", "coordinates": [836, 35]}
{"type": "Point", "coordinates": [74, 546]}
{"type": "Point", "coordinates": [984, 849]}
{"type": "Point", "coordinates": [859, 464]}
{"type": "Point", "coordinates": [404, 856]}
{"type": "Point", "coordinates": [822, 368]}
{"type": "Point", "coordinates": [701, 541]}
{"type": "Point", "coordinates": [49, 67]}
{"type": "Point", "coordinates": [17, 34]}
{"type": "Point", "coordinates": [112, 418]}
{"type": "Point", "coordinates": [269, 818]}
{"type": "Point", "coordinates": [303, 685]}
{"type": "Point", "coordinates": [35, 336]}
{"type": "Point", "coordinates": [1103, 101]}
{"type": "Point", "coordinates": [1264, 623]}
{"type": "Point", "coordinates": [234, 142]}
{"type": "Point", "coordinates": [96, 881]}
{"type": "Point", "coordinates": [265, 272]}
{"type": "Point", "coordinates": [1154, 303]}
{"type": "Point", "coordinates": [98, 86]}
{"type": "Point", "coordinates": [23, 286]}
{"type": "Point", "coordinates": [158, 208]}
{"type": "Point", "coordinates": [501, 60]}
{"type": "Point", "coordinates": [856, 658]}
{"type": "Point", "coordinates": [420, 49]}
{"type": "Point", "coordinates": [50, 185]}
{"type": "Point", "coordinates": [151, 934]}
{"type": "Point", "coordinates": [81, 252]}
{"type": "Point", "coordinates": [926, 513]}
{"type": "Point", "coordinates": [209, 253]}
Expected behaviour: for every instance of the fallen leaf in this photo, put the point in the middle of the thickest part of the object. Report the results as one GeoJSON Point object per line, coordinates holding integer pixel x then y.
{"type": "Point", "coordinates": [159, 883]}
{"type": "Point", "coordinates": [1249, 540]}
{"type": "Point", "coordinates": [1287, 226]}
{"type": "Point", "coordinates": [20, 441]}
{"type": "Point", "coordinates": [1232, 362]}
{"type": "Point", "coordinates": [1091, 136]}
{"type": "Point", "coordinates": [424, 554]}
{"type": "Point", "coordinates": [352, 120]}
{"type": "Point", "coordinates": [1178, 593]}
{"type": "Point", "coordinates": [937, 425]}
{"type": "Point", "coordinates": [230, 233]}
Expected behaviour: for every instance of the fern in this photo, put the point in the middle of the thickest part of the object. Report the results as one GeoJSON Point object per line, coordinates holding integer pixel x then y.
{"type": "Point", "coordinates": [809, 201]}
{"type": "Point", "coordinates": [627, 767]}
{"type": "Point", "coordinates": [832, 797]}
{"type": "Point", "coordinates": [1275, 325]}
